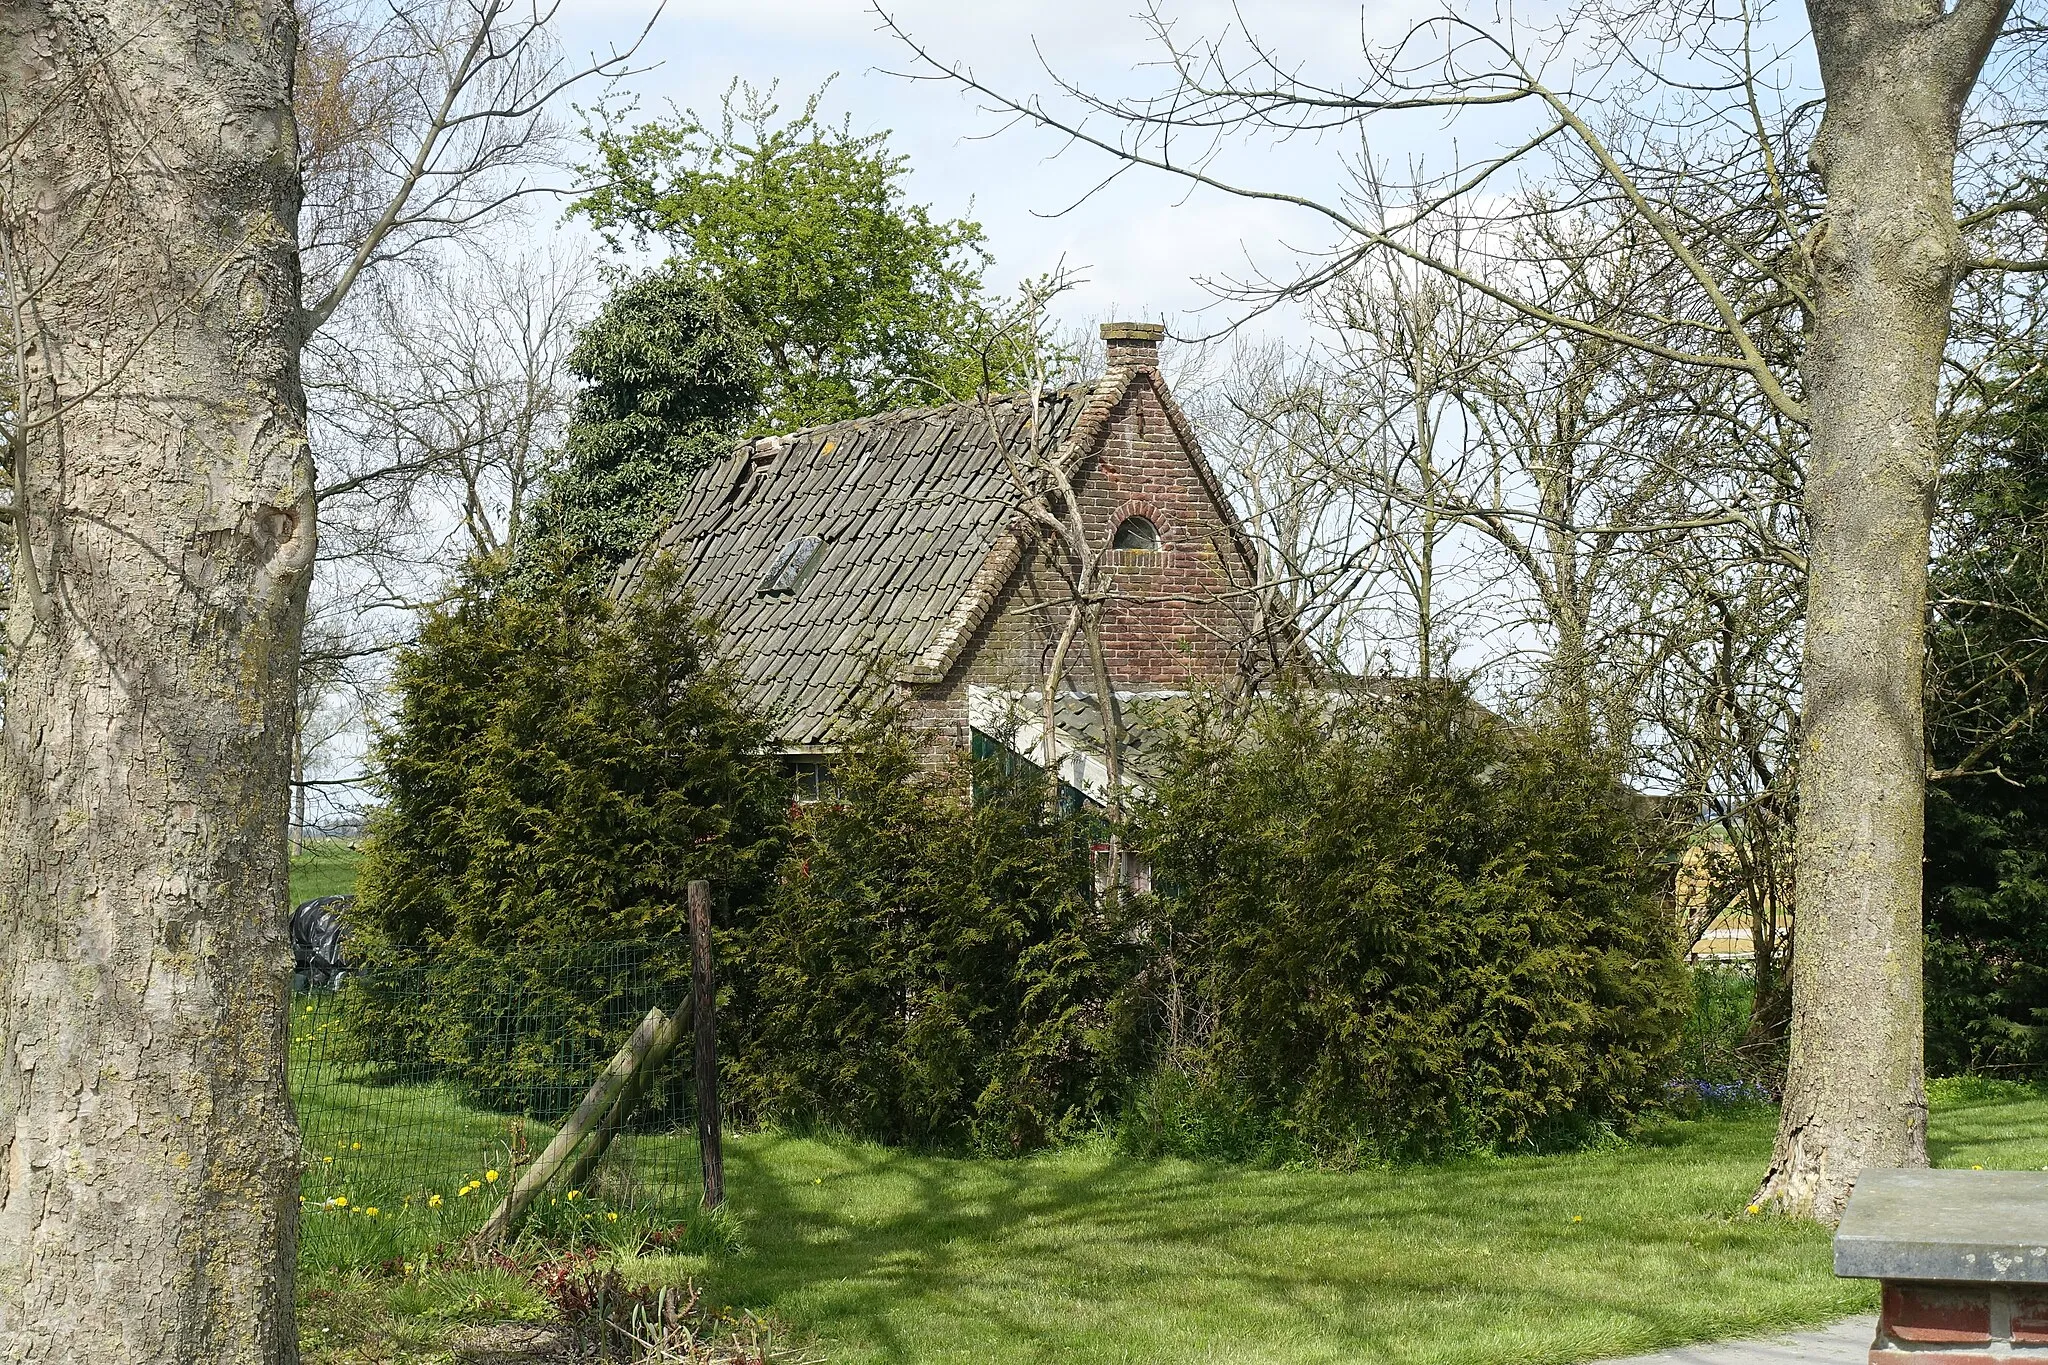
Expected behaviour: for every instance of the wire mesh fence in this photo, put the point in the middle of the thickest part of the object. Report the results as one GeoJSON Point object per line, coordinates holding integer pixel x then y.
{"type": "Point", "coordinates": [425, 1082]}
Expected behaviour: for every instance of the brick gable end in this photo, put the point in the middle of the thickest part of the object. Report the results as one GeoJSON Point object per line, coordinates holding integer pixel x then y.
{"type": "Point", "coordinates": [1183, 616]}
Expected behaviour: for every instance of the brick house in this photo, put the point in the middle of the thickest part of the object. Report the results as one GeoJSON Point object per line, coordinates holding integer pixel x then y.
{"type": "Point", "coordinates": [887, 559]}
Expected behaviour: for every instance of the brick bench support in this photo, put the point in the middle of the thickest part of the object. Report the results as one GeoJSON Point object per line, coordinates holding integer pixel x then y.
{"type": "Point", "coordinates": [1963, 1258]}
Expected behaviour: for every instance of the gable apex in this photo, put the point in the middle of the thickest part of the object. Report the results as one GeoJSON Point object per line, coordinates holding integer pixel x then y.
{"type": "Point", "coordinates": [913, 531]}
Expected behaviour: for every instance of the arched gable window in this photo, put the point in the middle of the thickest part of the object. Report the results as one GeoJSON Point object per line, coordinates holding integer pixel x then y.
{"type": "Point", "coordinates": [1135, 533]}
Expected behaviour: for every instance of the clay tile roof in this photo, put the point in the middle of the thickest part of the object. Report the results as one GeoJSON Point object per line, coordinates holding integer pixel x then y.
{"type": "Point", "coordinates": [915, 515]}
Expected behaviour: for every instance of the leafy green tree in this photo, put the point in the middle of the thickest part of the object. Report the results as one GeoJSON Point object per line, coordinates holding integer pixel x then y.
{"type": "Point", "coordinates": [860, 300]}
{"type": "Point", "coordinates": [1402, 928]}
{"type": "Point", "coordinates": [672, 377]}
{"type": "Point", "coordinates": [1986, 897]}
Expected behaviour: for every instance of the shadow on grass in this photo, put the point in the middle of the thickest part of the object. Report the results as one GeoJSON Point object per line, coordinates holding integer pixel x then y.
{"type": "Point", "coordinates": [1086, 1254]}
{"type": "Point", "coordinates": [1999, 1124]}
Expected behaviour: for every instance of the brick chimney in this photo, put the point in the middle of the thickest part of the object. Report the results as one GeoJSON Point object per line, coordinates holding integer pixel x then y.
{"type": "Point", "coordinates": [1132, 345]}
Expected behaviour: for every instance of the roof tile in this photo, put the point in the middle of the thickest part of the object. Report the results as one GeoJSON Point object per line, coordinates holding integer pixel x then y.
{"type": "Point", "coordinates": [911, 504]}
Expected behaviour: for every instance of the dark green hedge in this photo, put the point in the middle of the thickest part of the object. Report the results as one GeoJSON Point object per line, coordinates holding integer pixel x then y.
{"type": "Point", "coordinates": [1402, 927]}
{"type": "Point", "coordinates": [1986, 889]}
{"type": "Point", "coordinates": [934, 970]}
{"type": "Point", "coordinates": [561, 766]}
{"type": "Point", "coordinates": [517, 1029]}
{"type": "Point", "coordinates": [1385, 928]}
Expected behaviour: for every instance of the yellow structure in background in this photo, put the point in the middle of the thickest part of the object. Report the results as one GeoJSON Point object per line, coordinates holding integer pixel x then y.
{"type": "Point", "coordinates": [1726, 936]}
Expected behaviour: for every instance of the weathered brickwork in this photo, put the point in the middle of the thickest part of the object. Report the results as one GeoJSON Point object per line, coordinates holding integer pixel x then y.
{"type": "Point", "coordinates": [1182, 616]}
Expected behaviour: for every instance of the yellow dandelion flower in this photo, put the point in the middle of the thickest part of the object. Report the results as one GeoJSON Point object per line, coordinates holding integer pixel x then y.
{"type": "Point", "coordinates": [613, 1216]}
{"type": "Point", "coordinates": [341, 1201]}
{"type": "Point", "coordinates": [491, 1176]}
{"type": "Point", "coordinates": [355, 1146]}
{"type": "Point", "coordinates": [1755, 1208]}
{"type": "Point", "coordinates": [328, 1159]}
{"type": "Point", "coordinates": [574, 1195]}
{"type": "Point", "coordinates": [1577, 1219]}
{"type": "Point", "coordinates": [370, 1212]}
{"type": "Point", "coordinates": [433, 1201]}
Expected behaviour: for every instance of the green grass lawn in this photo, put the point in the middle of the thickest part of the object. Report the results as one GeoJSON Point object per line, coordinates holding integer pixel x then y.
{"type": "Point", "coordinates": [1087, 1256]}
{"type": "Point", "coordinates": [1084, 1255]}
{"type": "Point", "coordinates": [325, 867]}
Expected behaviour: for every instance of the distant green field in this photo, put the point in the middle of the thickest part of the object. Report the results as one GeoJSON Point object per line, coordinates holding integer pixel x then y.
{"type": "Point", "coordinates": [327, 867]}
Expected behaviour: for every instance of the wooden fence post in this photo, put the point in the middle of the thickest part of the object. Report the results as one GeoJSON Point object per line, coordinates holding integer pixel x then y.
{"type": "Point", "coordinates": [704, 1008]}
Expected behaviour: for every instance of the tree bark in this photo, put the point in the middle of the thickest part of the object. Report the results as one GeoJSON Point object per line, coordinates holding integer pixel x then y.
{"type": "Point", "coordinates": [150, 1157]}
{"type": "Point", "coordinates": [1884, 261]}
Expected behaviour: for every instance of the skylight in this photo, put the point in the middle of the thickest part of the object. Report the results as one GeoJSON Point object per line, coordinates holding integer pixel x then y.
{"type": "Point", "coordinates": [792, 565]}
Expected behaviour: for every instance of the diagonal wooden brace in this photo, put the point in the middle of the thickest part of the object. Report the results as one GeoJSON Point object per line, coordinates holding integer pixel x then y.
{"type": "Point", "coordinates": [604, 1092]}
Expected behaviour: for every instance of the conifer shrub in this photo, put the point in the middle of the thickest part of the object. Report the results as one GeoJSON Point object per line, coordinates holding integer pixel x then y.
{"type": "Point", "coordinates": [670, 378]}
{"type": "Point", "coordinates": [934, 969]}
{"type": "Point", "coordinates": [1383, 928]}
{"type": "Point", "coordinates": [1397, 928]}
{"type": "Point", "coordinates": [1985, 893]}
{"type": "Point", "coordinates": [560, 767]}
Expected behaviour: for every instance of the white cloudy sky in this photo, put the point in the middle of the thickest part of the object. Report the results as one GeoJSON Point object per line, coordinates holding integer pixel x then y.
{"type": "Point", "coordinates": [1141, 242]}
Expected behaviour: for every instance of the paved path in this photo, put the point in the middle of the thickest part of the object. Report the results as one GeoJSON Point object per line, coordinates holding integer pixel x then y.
{"type": "Point", "coordinates": [1845, 1343]}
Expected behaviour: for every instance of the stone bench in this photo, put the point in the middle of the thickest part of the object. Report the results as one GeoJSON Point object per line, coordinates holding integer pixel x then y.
{"type": "Point", "coordinates": [1963, 1257]}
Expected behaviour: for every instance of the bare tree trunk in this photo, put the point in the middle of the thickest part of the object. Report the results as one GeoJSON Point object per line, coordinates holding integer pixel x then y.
{"type": "Point", "coordinates": [1112, 712]}
{"type": "Point", "coordinates": [150, 1155]}
{"type": "Point", "coordinates": [1425, 549]}
{"type": "Point", "coordinates": [1049, 703]}
{"type": "Point", "coordinates": [1568, 680]}
{"type": "Point", "coordinates": [1884, 262]}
